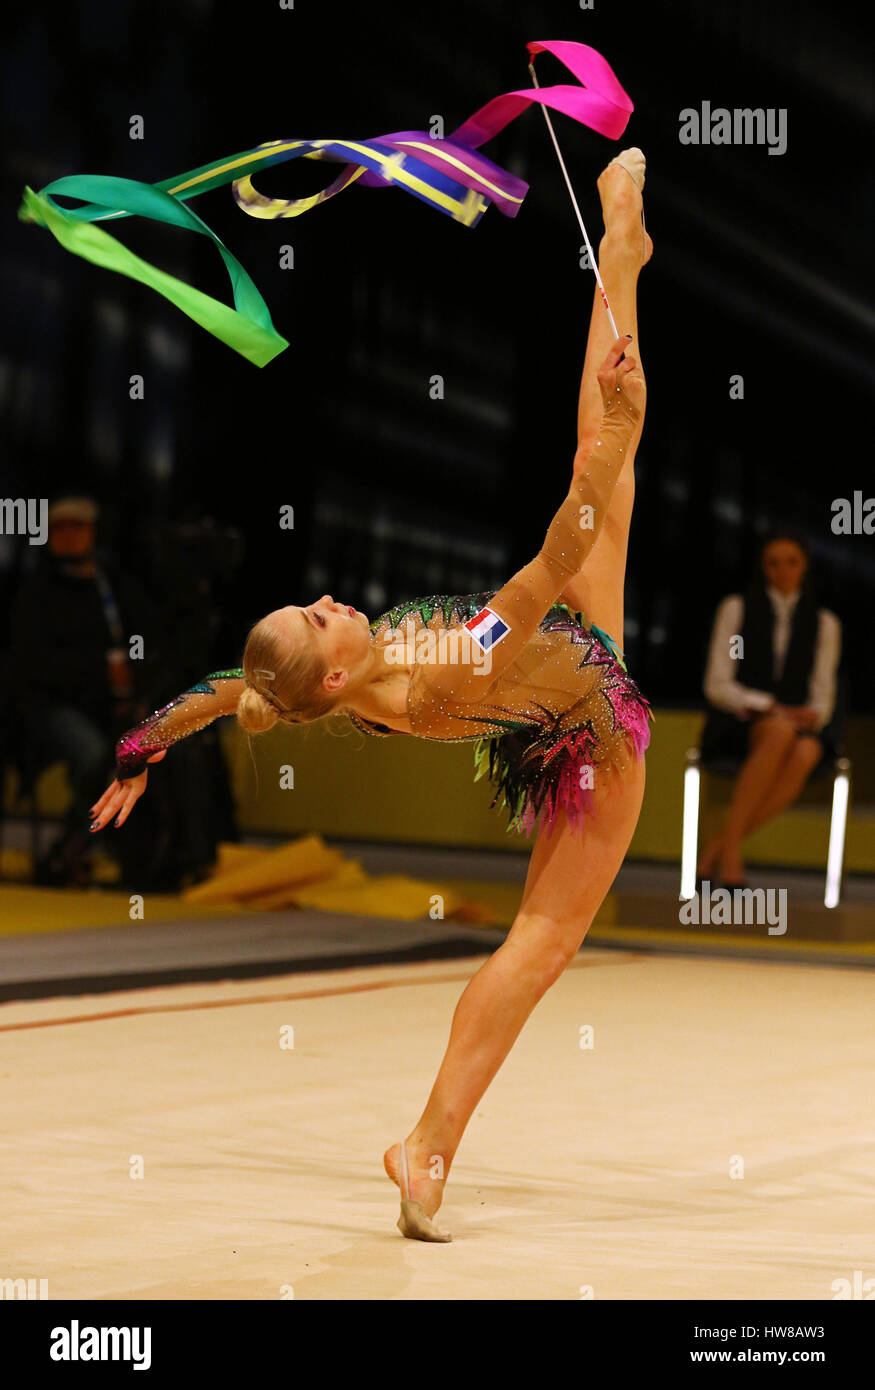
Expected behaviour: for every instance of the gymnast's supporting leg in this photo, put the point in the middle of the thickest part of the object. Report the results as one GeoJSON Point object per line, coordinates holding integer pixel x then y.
{"type": "Point", "coordinates": [570, 873]}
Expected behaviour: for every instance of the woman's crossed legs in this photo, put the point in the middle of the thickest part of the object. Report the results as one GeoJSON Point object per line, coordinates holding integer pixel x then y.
{"type": "Point", "coordinates": [778, 764]}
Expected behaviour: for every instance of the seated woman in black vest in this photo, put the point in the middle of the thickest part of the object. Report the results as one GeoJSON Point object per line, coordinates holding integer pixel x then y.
{"type": "Point", "coordinates": [771, 695]}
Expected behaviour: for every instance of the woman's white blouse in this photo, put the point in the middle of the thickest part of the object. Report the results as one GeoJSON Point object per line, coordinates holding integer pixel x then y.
{"type": "Point", "coordinates": [722, 687]}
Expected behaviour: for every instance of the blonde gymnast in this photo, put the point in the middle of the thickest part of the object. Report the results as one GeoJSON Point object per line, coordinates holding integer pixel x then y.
{"type": "Point", "coordinates": [528, 673]}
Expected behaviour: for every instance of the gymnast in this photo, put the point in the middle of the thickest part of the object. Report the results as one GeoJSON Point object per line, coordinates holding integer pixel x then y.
{"type": "Point", "coordinates": [529, 673]}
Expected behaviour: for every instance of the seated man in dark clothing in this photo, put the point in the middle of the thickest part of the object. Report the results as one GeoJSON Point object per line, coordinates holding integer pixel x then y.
{"type": "Point", "coordinates": [76, 688]}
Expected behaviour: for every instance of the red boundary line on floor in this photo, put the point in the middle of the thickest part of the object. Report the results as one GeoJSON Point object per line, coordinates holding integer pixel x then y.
{"type": "Point", "coordinates": [627, 958]}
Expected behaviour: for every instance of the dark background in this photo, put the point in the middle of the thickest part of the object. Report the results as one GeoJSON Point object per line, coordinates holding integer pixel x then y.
{"type": "Point", "coordinates": [761, 267]}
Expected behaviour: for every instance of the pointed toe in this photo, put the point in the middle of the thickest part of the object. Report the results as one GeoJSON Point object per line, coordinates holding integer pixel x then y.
{"type": "Point", "coordinates": [415, 1225]}
{"type": "Point", "coordinates": [633, 161]}
{"type": "Point", "coordinates": [413, 1221]}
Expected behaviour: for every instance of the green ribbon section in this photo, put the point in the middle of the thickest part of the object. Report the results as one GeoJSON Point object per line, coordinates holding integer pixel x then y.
{"type": "Point", "coordinates": [247, 328]}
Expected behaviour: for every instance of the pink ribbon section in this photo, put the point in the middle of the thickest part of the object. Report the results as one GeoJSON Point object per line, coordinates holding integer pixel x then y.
{"type": "Point", "coordinates": [600, 103]}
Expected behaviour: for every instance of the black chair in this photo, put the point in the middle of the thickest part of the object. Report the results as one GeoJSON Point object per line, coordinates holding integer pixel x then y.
{"type": "Point", "coordinates": [719, 763]}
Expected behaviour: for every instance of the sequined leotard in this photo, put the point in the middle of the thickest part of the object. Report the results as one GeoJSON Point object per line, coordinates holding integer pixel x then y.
{"type": "Point", "coordinates": [546, 698]}
{"type": "Point", "coordinates": [556, 719]}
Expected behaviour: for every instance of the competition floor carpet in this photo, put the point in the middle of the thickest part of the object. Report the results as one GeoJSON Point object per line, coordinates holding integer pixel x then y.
{"type": "Point", "coordinates": [717, 1140]}
{"type": "Point", "coordinates": [196, 1106]}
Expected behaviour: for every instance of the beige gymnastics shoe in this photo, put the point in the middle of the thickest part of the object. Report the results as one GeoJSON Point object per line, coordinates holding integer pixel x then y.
{"type": "Point", "coordinates": [413, 1222]}
{"type": "Point", "coordinates": [635, 165]}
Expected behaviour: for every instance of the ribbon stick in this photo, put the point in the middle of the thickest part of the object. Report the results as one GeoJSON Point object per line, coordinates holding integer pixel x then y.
{"type": "Point", "coordinates": [592, 260]}
{"type": "Point", "coordinates": [449, 174]}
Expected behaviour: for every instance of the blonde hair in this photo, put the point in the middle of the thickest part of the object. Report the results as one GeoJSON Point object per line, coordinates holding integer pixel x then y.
{"type": "Point", "coordinates": [283, 681]}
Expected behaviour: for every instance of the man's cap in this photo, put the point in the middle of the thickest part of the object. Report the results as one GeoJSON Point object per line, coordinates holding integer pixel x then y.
{"type": "Point", "coordinates": [73, 509]}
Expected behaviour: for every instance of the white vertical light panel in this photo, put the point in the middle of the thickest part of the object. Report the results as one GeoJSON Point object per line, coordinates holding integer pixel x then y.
{"type": "Point", "coordinates": [690, 840]}
{"type": "Point", "coordinates": [837, 828]}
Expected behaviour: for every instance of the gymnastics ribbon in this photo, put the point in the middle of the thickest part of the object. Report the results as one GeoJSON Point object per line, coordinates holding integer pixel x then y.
{"type": "Point", "coordinates": [447, 173]}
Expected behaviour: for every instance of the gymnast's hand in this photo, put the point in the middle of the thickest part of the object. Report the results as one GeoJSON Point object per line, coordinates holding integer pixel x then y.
{"type": "Point", "coordinates": [625, 375]}
{"type": "Point", "coordinates": [119, 797]}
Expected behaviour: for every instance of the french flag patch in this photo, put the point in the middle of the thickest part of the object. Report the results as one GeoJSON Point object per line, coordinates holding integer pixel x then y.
{"type": "Point", "coordinates": [487, 629]}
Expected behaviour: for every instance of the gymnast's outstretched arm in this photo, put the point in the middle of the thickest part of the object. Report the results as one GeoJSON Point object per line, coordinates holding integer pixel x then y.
{"type": "Point", "coordinates": [526, 599]}
{"type": "Point", "coordinates": [215, 695]}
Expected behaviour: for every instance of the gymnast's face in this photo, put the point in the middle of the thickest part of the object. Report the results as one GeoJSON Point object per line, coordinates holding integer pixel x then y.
{"type": "Point", "coordinates": [338, 633]}
{"type": "Point", "coordinates": [784, 565]}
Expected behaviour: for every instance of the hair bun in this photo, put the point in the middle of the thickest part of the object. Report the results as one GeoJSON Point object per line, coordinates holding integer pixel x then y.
{"type": "Point", "coordinates": [255, 713]}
